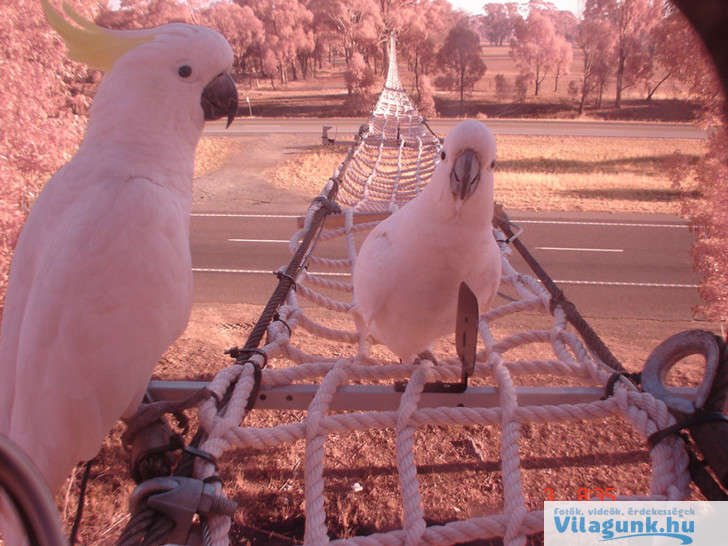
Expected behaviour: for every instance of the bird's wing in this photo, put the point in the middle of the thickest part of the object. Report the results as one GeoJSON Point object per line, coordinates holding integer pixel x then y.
{"type": "Point", "coordinates": [374, 274]}
{"type": "Point", "coordinates": [485, 274]}
{"type": "Point", "coordinates": [109, 294]}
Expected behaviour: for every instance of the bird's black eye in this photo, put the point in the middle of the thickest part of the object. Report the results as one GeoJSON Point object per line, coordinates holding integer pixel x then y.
{"type": "Point", "coordinates": [442, 155]}
{"type": "Point", "coordinates": [185, 71]}
{"type": "Point", "coordinates": [492, 164]}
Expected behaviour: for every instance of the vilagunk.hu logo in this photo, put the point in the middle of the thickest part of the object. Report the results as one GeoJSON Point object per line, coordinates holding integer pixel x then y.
{"type": "Point", "coordinates": [633, 522]}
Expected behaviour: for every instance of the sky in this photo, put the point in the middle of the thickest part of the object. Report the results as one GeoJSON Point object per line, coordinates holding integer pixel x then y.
{"type": "Point", "coordinates": [476, 6]}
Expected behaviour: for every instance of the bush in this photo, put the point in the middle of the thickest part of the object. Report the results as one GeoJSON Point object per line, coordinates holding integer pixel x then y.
{"type": "Point", "coordinates": [502, 88]}
{"type": "Point", "coordinates": [521, 86]}
{"type": "Point", "coordinates": [573, 89]}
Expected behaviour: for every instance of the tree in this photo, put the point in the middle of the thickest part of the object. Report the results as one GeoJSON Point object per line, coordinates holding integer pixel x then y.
{"type": "Point", "coordinates": [358, 24]}
{"type": "Point", "coordinates": [459, 58]}
{"type": "Point", "coordinates": [288, 36]}
{"type": "Point", "coordinates": [41, 123]}
{"type": "Point", "coordinates": [596, 43]}
{"type": "Point", "coordinates": [563, 59]}
{"type": "Point", "coordinates": [631, 21]}
{"type": "Point", "coordinates": [146, 14]}
{"type": "Point", "coordinates": [239, 25]}
{"type": "Point", "coordinates": [360, 83]}
{"type": "Point", "coordinates": [500, 21]}
{"type": "Point", "coordinates": [656, 62]}
{"type": "Point", "coordinates": [534, 47]}
{"type": "Point", "coordinates": [424, 25]}
{"type": "Point", "coordinates": [709, 220]}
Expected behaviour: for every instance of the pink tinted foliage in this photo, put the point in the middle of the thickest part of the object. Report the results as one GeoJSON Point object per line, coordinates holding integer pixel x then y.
{"type": "Point", "coordinates": [562, 61]}
{"type": "Point", "coordinates": [596, 42]}
{"type": "Point", "coordinates": [425, 101]}
{"type": "Point", "coordinates": [424, 26]}
{"type": "Point", "coordinates": [459, 58]}
{"type": "Point", "coordinates": [534, 47]}
{"type": "Point", "coordinates": [709, 213]}
{"type": "Point", "coordinates": [289, 38]}
{"type": "Point", "coordinates": [500, 21]}
{"type": "Point", "coordinates": [709, 218]}
{"type": "Point", "coordinates": [146, 14]}
{"type": "Point", "coordinates": [43, 94]}
{"type": "Point", "coordinates": [361, 85]}
{"type": "Point", "coordinates": [238, 24]}
{"type": "Point", "coordinates": [357, 24]}
{"type": "Point", "coordinates": [631, 22]}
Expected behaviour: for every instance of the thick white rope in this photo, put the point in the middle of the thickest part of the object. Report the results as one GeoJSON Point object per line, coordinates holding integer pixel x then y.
{"type": "Point", "coordinates": [569, 358]}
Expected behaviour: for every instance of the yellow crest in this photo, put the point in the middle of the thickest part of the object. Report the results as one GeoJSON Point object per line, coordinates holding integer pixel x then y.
{"type": "Point", "coordinates": [95, 46]}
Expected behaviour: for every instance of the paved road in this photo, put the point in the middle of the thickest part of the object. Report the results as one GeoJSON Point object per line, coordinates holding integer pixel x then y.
{"type": "Point", "coordinates": [609, 265]}
{"type": "Point", "coordinates": [346, 128]}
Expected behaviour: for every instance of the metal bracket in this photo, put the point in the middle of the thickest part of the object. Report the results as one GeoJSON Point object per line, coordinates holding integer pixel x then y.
{"type": "Point", "coordinates": [466, 340]}
{"type": "Point", "coordinates": [179, 498]}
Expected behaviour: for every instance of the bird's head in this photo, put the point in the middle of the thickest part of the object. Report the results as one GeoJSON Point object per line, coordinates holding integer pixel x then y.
{"type": "Point", "coordinates": [185, 66]}
{"type": "Point", "coordinates": [469, 155]}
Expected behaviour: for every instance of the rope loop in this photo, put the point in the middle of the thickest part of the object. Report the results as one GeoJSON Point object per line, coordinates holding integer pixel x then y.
{"type": "Point", "coordinates": [634, 378]}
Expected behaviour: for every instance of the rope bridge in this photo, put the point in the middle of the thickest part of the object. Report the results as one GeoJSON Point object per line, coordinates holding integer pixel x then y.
{"type": "Point", "coordinates": [324, 384]}
{"type": "Point", "coordinates": [397, 152]}
{"type": "Point", "coordinates": [388, 165]}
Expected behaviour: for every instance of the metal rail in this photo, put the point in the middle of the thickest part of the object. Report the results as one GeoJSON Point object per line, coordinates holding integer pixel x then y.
{"type": "Point", "coordinates": [385, 397]}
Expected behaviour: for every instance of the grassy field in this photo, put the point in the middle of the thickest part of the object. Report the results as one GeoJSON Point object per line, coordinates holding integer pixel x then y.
{"type": "Point", "coordinates": [551, 173]}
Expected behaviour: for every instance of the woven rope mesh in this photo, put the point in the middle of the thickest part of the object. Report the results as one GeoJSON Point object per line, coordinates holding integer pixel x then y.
{"type": "Point", "coordinates": [396, 155]}
{"type": "Point", "coordinates": [320, 308]}
{"type": "Point", "coordinates": [352, 363]}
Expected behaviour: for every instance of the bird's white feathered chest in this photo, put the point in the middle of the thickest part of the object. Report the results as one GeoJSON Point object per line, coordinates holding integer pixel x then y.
{"type": "Point", "coordinates": [101, 280]}
{"type": "Point", "coordinates": [408, 272]}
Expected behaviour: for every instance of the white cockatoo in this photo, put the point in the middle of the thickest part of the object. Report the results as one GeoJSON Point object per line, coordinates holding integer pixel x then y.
{"type": "Point", "coordinates": [409, 268]}
{"type": "Point", "coordinates": [101, 280]}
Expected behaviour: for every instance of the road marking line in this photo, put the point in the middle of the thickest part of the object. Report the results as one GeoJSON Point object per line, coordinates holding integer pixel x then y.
{"type": "Point", "coordinates": [262, 271]}
{"type": "Point", "coordinates": [232, 215]}
{"type": "Point", "coordinates": [616, 224]}
{"type": "Point", "coordinates": [580, 249]}
{"type": "Point", "coordinates": [555, 222]}
{"type": "Point", "coordinates": [620, 283]}
{"type": "Point", "coordinates": [259, 240]}
{"type": "Point", "coordinates": [336, 274]}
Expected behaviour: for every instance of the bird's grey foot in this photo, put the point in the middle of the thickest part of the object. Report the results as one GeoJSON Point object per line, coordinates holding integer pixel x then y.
{"type": "Point", "coordinates": [427, 354]}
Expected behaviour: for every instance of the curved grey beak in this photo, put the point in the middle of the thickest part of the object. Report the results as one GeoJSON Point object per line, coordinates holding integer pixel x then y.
{"type": "Point", "coordinates": [220, 98]}
{"type": "Point", "coordinates": [465, 174]}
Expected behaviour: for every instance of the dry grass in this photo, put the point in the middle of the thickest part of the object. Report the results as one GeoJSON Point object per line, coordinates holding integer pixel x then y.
{"type": "Point", "coordinates": [211, 154]}
{"type": "Point", "coordinates": [550, 173]}
{"type": "Point", "coordinates": [592, 174]}
{"type": "Point", "coordinates": [306, 173]}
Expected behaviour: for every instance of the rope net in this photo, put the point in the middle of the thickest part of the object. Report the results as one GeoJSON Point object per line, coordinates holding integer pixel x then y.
{"type": "Point", "coordinates": [374, 180]}
{"type": "Point", "coordinates": [396, 155]}
{"type": "Point", "coordinates": [570, 358]}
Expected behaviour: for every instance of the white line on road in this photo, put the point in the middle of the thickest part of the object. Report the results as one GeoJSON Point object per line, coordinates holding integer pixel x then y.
{"type": "Point", "coordinates": [579, 249]}
{"type": "Point", "coordinates": [615, 224]}
{"type": "Point", "coordinates": [235, 215]}
{"type": "Point", "coordinates": [554, 222]}
{"type": "Point", "coordinates": [259, 240]}
{"type": "Point", "coordinates": [336, 274]}
{"type": "Point", "coordinates": [621, 283]}
{"type": "Point", "coordinates": [262, 271]}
